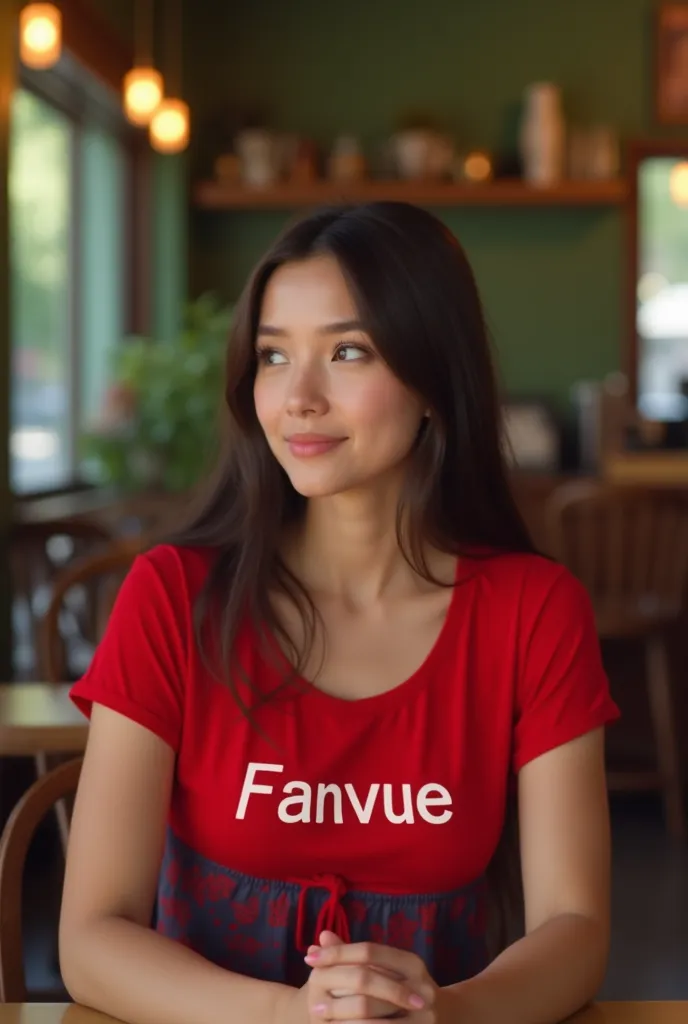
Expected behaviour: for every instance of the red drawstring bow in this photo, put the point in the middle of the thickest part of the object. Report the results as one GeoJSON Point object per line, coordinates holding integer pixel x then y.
{"type": "Point", "coordinates": [331, 916]}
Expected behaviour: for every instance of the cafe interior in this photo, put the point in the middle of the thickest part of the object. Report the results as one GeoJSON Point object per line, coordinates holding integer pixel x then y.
{"type": "Point", "coordinates": [151, 151]}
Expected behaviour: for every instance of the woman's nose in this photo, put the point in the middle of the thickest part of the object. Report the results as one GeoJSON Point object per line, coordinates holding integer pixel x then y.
{"type": "Point", "coordinates": [306, 393]}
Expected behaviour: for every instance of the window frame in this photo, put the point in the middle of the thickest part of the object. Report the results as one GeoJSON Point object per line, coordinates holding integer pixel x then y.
{"type": "Point", "coordinates": [638, 150]}
{"type": "Point", "coordinates": [87, 95]}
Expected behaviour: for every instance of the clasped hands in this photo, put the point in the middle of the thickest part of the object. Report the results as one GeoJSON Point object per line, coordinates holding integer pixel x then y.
{"type": "Point", "coordinates": [365, 982]}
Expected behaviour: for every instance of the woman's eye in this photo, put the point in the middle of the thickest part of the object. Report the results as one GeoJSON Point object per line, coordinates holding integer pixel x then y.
{"type": "Point", "coordinates": [270, 357]}
{"type": "Point", "coordinates": [350, 353]}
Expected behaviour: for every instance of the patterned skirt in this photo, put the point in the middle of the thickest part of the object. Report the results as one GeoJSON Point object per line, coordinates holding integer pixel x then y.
{"type": "Point", "coordinates": [262, 927]}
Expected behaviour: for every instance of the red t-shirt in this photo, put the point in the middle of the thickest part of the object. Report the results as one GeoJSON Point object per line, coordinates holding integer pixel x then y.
{"type": "Point", "coordinates": [399, 793]}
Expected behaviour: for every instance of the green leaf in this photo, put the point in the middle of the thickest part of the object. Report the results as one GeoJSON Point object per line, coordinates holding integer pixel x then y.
{"type": "Point", "coordinates": [177, 386]}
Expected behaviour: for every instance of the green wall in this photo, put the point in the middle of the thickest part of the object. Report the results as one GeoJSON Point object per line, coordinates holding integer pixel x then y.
{"type": "Point", "coordinates": [170, 245]}
{"type": "Point", "coordinates": [552, 279]}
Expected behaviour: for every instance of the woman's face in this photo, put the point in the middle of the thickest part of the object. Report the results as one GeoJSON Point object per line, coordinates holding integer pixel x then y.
{"type": "Point", "coordinates": [334, 414]}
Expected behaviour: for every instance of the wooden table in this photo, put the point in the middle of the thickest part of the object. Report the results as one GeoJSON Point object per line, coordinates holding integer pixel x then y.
{"type": "Point", "coordinates": [601, 1013]}
{"type": "Point", "coordinates": [39, 718]}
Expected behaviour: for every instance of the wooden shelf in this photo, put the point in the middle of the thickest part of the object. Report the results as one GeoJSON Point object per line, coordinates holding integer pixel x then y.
{"type": "Point", "coordinates": [211, 195]}
{"type": "Point", "coordinates": [648, 469]}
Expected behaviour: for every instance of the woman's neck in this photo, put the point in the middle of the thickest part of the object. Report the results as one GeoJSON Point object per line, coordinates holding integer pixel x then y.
{"type": "Point", "coordinates": [346, 548]}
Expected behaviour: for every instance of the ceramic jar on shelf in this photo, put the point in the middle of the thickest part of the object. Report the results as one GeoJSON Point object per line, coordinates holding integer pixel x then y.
{"type": "Point", "coordinates": [543, 135]}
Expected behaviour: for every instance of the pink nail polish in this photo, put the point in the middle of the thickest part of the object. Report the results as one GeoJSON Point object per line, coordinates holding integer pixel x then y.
{"type": "Point", "coordinates": [320, 1008]}
{"type": "Point", "coordinates": [416, 1002]}
{"type": "Point", "coordinates": [312, 958]}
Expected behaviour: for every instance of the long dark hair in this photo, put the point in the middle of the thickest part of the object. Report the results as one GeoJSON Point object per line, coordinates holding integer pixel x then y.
{"type": "Point", "coordinates": [417, 298]}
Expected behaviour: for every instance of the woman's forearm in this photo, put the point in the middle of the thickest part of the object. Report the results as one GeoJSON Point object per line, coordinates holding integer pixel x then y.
{"type": "Point", "coordinates": [541, 979]}
{"type": "Point", "coordinates": [132, 973]}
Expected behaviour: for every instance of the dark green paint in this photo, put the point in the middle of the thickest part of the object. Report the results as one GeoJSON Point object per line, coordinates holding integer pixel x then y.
{"type": "Point", "coordinates": [552, 279]}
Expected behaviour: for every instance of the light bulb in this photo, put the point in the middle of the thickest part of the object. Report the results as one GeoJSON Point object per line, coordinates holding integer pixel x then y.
{"type": "Point", "coordinates": [143, 92]}
{"type": "Point", "coordinates": [678, 184]}
{"type": "Point", "coordinates": [477, 167]}
{"type": "Point", "coordinates": [169, 127]}
{"type": "Point", "coordinates": [40, 35]}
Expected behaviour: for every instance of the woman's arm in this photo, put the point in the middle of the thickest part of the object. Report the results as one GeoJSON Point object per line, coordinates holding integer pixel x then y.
{"type": "Point", "coordinates": [559, 965]}
{"type": "Point", "coordinates": [110, 957]}
{"type": "Point", "coordinates": [565, 854]}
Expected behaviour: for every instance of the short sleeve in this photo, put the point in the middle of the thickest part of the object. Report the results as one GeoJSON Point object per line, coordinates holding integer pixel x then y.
{"type": "Point", "coordinates": [139, 667]}
{"type": "Point", "coordinates": [562, 690]}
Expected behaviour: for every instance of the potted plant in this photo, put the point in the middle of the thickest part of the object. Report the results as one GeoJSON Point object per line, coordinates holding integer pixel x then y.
{"type": "Point", "coordinates": [159, 424]}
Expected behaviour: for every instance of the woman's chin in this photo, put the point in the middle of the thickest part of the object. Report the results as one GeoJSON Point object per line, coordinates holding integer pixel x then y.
{"type": "Point", "coordinates": [320, 485]}
{"type": "Point", "coordinates": [309, 489]}
{"type": "Point", "coordinates": [329, 485]}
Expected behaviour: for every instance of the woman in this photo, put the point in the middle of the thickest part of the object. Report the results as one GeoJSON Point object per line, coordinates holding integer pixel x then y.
{"type": "Point", "coordinates": [309, 710]}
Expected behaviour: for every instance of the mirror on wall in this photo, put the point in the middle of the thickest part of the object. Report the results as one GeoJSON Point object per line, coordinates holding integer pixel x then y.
{"type": "Point", "coordinates": [658, 301]}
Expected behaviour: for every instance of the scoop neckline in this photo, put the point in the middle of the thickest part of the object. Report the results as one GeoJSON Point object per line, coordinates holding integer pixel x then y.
{"type": "Point", "coordinates": [403, 692]}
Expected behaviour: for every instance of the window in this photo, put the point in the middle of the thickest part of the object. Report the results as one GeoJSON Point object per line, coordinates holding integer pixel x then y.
{"type": "Point", "coordinates": [662, 287]}
{"type": "Point", "coordinates": [41, 148]}
{"type": "Point", "coordinates": [102, 292]}
{"type": "Point", "coordinates": [68, 199]}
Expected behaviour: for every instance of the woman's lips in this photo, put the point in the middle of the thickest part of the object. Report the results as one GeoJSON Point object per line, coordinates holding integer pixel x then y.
{"type": "Point", "coordinates": [305, 446]}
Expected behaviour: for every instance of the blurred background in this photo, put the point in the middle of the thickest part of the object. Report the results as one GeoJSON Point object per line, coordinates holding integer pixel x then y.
{"type": "Point", "coordinates": [151, 151]}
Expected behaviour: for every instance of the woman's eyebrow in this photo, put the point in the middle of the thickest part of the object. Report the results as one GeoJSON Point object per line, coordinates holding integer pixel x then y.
{"type": "Point", "coordinates": [271, 332]}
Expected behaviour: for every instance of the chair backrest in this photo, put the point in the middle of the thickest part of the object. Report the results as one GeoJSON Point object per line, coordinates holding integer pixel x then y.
{"type": "Point", "coordinates": [14, 845]}
{"type": "Point", "coordinates": [82, 598]}
{"type": "Point", "coordinates": [38, 552]}
{"type": "Point", "coordinates": [625, 544]}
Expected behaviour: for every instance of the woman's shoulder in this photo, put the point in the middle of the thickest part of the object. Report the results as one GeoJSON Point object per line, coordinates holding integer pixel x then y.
{"type": "Point", "coordinates": [165, 558]}
{"type": "Point", "coordinates": [179, 570]}
{"type": "Point", "coordinates": [529, 575]}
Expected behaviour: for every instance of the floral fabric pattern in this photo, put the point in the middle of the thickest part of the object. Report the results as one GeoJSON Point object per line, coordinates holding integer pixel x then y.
{"type": "Point", "coordinates": [260, 928]}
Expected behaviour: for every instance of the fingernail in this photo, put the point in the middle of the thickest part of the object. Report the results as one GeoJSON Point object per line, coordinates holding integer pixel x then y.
{"type": "Point", "coordinates": [320, 1008]}
{"type": "Point", "coordinates": [311, 958]}
{"type": "Point", "coordinates": [416, 1002]}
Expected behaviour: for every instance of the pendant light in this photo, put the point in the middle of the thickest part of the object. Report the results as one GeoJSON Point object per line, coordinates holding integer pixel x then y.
{"type": "Point", "coordinates": [40, 35]}
{"type": "Point", "coordinates": [143, 85]}
{"type": "Point", "coordinates": [170, 125]}
{"type": "Point", "coordinates": [169, 129]}
{"type": "Point", "coordinates": [678, 184]}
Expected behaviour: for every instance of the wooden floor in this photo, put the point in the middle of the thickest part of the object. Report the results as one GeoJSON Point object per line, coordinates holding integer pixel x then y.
{"type": "Point", "coordinates": [650, 935]}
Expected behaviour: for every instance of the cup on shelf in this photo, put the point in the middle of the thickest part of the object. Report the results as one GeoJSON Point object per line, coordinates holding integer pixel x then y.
{"type": "Point", "coordinates": [259, 152]}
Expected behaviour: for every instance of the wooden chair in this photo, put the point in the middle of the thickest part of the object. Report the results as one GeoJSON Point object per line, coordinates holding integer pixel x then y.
{"type": "Point", "coordinates": [38, 552]}
{"type": "Point", "coordinates": [14, 845]}
{"type": "Point", "coordinates": [94, 580]}
{"type": "Point", "coordinates": [82, 598]}
{"type": "Point", "coordinates": [629, 547]}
